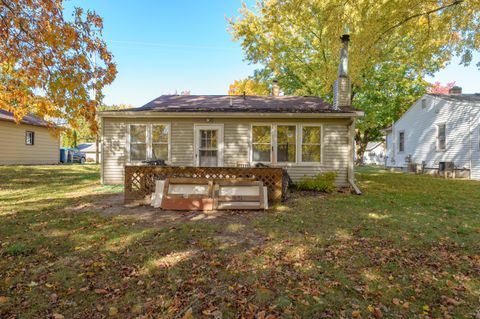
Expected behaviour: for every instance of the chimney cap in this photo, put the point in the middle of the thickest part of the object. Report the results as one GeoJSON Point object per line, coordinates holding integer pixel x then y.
{"type": "Point", "coordinates": [345, 38]}
{"type": "Point", "coordinates": [455, 90]}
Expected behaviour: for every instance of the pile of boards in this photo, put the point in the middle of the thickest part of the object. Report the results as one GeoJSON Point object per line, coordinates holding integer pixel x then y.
{"type": "Point", "coordinates": [209, 194]}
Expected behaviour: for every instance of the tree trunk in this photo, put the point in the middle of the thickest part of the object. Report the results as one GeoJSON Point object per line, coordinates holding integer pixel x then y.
{"type": "Point", "coordinates": [361, 142]}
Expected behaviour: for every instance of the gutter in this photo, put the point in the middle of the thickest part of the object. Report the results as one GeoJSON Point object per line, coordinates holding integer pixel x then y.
{"type": "Point", "coordinates": [140, 114]}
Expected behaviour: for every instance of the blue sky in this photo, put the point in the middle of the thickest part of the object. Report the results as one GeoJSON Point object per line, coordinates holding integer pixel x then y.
{"type": "Point", "coordinates": [163, 46]}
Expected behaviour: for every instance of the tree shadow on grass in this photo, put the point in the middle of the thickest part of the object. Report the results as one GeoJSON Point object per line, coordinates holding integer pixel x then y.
{"type": "Point", "coordinates": [393, 252]}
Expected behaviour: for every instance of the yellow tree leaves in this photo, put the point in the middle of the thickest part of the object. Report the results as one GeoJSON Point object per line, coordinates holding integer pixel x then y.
{"type": "Point", "coordinates": [47, 62]}
{"type": "Point", "coordinates": [249, 87]}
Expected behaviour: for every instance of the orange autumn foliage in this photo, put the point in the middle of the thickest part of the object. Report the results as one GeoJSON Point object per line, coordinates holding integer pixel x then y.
{"type": "Point", "coordinates": [47, 62]}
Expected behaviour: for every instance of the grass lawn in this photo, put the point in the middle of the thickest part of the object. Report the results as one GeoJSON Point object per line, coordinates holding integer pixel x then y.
{"type": "Point", "coordinates": [408, 247]}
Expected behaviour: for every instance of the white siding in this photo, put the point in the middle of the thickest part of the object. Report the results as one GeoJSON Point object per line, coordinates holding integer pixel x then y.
{"type": "Point", "coordinates": [236, 142]}
{"type": "Point", "coordinates": [475, 172]}
{"type": "Point", "coordinates": [374, 154]}
{"type": "Point", "coordinates": [420, 127]}
{"type": "Point", "coordinates": [46, 148]}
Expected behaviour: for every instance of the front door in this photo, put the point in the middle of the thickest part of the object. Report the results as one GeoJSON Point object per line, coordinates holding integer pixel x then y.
{"type": "Point", "coordinates": [208, 145]}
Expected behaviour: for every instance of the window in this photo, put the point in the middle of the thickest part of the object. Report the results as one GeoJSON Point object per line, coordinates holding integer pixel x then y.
{"type": "Point", "coordinates": [286, 143]}
{"type": "Point", "coordinates": [138, 142]}
{"type": "Point", "coordinates": [311, 144]}
{"type": "Point", "coordinates": [149, 142]}
{"type": "Point", "coordinates": [160, 141]}
{"type": "Point", "coordinates": [261, 143]}
{"type": "Point", "coordinates": [441, 137]}
{"type": "Point", "coordinates": [29, 138]}
{"type": "Point", "coordinates": [401, 141]}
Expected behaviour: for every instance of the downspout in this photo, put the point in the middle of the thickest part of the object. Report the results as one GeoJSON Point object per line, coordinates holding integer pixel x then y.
{"type": "Point", "coordinates": [102, 150]}
{"type": "Point", "coordinates": [351, 167]}
{"type": "Point", "coordinates": [471, 145]}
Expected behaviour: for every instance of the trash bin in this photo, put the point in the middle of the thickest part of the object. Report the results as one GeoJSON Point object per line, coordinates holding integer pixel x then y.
{"type": "Point", "coordinates": [63, 155]}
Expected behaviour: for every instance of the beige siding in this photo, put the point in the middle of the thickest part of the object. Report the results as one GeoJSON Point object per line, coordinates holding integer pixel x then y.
{"type": "Point", "coordinates": [113, 150]}
{"type": "Point", "coordinates": [46, 148]}
{"type": "Point", "coordinates": [182, 142]}
{"type": "Point", "coordinates": [236, 142]}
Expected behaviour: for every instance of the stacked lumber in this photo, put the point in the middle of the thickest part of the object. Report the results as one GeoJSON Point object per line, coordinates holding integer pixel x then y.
{"type": "Point", "coordinates": [210, 194]}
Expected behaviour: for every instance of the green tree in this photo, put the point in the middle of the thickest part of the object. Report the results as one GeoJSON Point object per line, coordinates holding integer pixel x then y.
{"type": "Point", "coordinates": [387, 93]}
{"type": "Point", "coordinates": [401, 41]}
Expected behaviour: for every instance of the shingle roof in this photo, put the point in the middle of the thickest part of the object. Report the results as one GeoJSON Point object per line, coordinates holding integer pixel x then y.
{"type": "Point", "coordinates": [229, 103]}
{"type": "Point", "coordinates": [463, 98]}
{"type": "Point", "coordinates": [28, 119]}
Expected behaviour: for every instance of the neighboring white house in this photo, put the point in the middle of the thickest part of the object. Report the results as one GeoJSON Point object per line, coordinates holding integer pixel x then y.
{"type": "Point", "coordinates": [374, 153]}
{"type": "Point", "coordinates": [90, 150]}
{"type": "Point", "coordinates": [438, 128]}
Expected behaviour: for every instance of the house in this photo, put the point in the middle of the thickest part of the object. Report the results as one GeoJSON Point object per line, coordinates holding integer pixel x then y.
{"type": "Point", "coordinates": [29, 142]}
{"type": "Point", "coordinates": [438, 131]}
{"type": "Point", "coordinates": [303, 134]}
{"type": "Point", "coordinates": [374, 154]}
{"type": "Point", "coordinates": [90, 150]}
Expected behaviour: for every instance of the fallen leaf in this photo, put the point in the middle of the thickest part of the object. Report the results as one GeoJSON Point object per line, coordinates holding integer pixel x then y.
{"type": "Point", "coordinates": [261, 315]}
{"type": "Point", "coordinates": [137, 309]}
{"type": "Point", "coordinates": [356, 313]}
{"type": "Point", "coordinates": [406, 305]}
{"type": "Point", "coordinates": [377, 313]}
{"type": "Point", "coordinates": [396, 301]}
{"type": "Point", "coordinates": [4, 300]}
{"type": "Point", "coordinates": [101, 291]}
{"type": "Point", "coordinates": [57, 316]}
{"type": "Point", "coordinates": [53, 298]}
{"type": "Point", "coordinates": [450, 301]}
{"type": "Point", "coordinates": [188, 314]}
{"type": "Point", "coordinates": [112, 311]}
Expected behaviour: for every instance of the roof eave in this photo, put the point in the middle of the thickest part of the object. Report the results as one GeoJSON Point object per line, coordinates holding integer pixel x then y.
{"type": "Point", "coordinates": [137, 114]}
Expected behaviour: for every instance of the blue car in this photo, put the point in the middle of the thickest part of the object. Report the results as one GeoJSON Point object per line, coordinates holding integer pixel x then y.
{"type": "Point", "coordinates": [72, 155]}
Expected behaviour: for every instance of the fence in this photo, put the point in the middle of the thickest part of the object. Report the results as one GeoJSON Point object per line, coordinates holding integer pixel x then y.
{"type": "Point", "coordinates": [140, 180]}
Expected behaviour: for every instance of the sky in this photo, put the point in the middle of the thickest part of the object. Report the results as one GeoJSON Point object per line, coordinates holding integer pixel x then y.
{"type": "Point", "coordinates": [165, 46]}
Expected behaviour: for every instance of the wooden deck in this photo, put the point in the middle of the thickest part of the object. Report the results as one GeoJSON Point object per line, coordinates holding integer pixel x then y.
{"type": "Point", "coordinates": [140, 180]}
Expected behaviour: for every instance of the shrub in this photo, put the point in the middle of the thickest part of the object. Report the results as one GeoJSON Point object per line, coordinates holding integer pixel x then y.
{"type": "Point", "coordinates": [320, 183]}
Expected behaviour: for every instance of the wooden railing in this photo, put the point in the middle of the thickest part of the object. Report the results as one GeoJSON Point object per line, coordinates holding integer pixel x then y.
{"type": "Point", "coordinates": [140, 180]}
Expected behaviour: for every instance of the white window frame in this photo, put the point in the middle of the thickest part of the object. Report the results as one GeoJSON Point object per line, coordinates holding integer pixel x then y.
{"type": "Point", "coordinates": [275, 145]}
{"type": "Point", "coordinates": [300, 142]}
{"type": "Point", "coordinates": [272, 142]}
{"type": "Point", "coordinates": [221, 141]}
{"type": "Point", "coordinates": [32, 138]}
{"type": "Point", "coordinates": [148, 141]}
{"type": "Point", "coordinates": [438, 137]}
{"type": "Point", "coordinates": [399, 142]}
{"type": "Point", "coordinates": [167, 125]}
